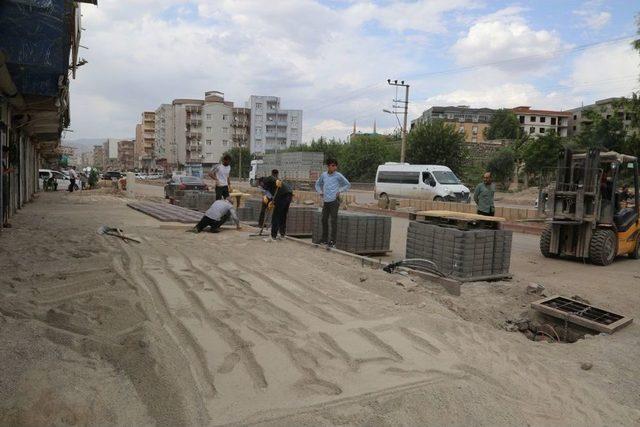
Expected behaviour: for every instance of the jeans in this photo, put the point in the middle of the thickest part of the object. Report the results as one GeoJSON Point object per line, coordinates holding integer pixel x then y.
{"type": "Point", "coordinates": [222, 192]}
{"type": "Point", "coordinates": [263, 211]}
{"type": "Point", "coordinates": [279, 217]}
{"type": "Point", "coordinates": [205, 222]}
{"type": "Point", "coordinates": [330, 211]}
{"type": "Point", "coordinates": [72, 185]}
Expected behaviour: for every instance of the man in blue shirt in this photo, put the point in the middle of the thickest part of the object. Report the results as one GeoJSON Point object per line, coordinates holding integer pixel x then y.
{"type": "Point", "coordinates": [330, 184]}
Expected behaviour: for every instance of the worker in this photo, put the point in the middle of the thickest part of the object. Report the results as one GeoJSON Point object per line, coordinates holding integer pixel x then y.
{"type": "Point", "coordinates": [266, 196]}
{"type": "Point", "coordinates": [483, 196]}
{"type": "Point", "coordinates": [73, 176]}
{"type": "Point", "coordinates": [330, 184]}
{"type": "Point", "coordinates": [221, 174]}
{"type": "Point", "coordinates": [282, 196]}
{"type": "Point", "coordinates": [217, 214]}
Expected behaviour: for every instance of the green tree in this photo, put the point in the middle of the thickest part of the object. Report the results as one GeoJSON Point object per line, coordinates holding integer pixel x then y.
{"type": "Point", "coordinates": [362, 155]}
{"type": "Point", "coordinates": [501, 166]}
{"type": "Point", "coordinates": [602, 132]}
{"type": "Point", "coordinates": [541, 153]}
{"type": "Point", "coordinates": [238, 154]}
{"type": "Point", "coordinates": [503, 125]}
{"type": "Point", "coordinates": [437, 143]}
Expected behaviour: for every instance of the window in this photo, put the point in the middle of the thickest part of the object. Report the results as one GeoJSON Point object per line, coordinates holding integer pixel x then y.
{"type": "Point", "coordinates": [474, 130]}
{"type": "Point", "coordinates": [258, 105]}
{"type": "Point", "coordinates": [208, 142]}
{"type": "Point", "coordinates": [399, 177]}
{"type": "Point", "coordinates": [225, 130]}
{"type": "Point", "coordinates": [543, 119]}
{"type": "Point", "coordinates": [532, 130]}
{"type": "Point", "coordinates": [532, 119]}
{"type": "Point", "coordinates": [208, 129]}
{"type": "Point", "coordinates": [225, 117]}
{"type": "Point", "coordinates": [575, 117]}
{"type": "Point", "coordinates": [427, 178]}
{"type": "Point", "coordinates": [225, 143]}
{"type": "Point", "coordinates": [541, 130]}
{"type": "Point", "coordinates": [574, 128]}
{"type": "Point", "coordinates": [294, 130]}
{"type": "Point", "coordinates": [521, 119]}
{"type": "Point", "coordinates": [294, 142]}
{"type": "Point", "coordinates": [553, 120]}
{"type": "Point", "coordinates": [461, 130]}
{"type": "Point", "coordinates": [474, 139]}
{"type": "Point", "coordinates": [208, 116]}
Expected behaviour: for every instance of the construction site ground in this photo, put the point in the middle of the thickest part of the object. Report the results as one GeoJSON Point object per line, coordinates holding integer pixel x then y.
{"type": "Point", "coordinates": [219, 329]}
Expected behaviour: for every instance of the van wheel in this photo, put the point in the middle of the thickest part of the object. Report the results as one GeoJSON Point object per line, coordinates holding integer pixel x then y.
{"type": "Point", "coordinates": [438, 199]}
{"type": "Point", "coordinates": [385, 197]}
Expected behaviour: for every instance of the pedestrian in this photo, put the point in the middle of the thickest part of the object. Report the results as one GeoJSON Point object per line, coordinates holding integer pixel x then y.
{"type": "Point", "coordinates": [73, 176]}
{"type": "Point", "coordinates": [483, 195]}
{"type": "Point", "coordinates": [267, 197]}
{"type": "Point", "coordinates": [221, 174]}
{"type": "Point", "coordinates": [281, 200]}
{"type": "Point", "coordinates": [217, 214]}
{"type": "Point", "coordinates": [330, 184]}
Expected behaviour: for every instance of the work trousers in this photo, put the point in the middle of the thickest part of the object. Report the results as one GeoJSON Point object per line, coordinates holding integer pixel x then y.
{"type": "Point", "coordinates": [279, 217]}
{"type": "Point", "coordinates": [222, 192]}
{"type": "Point", "coordinates": [215, 225]}
{"type": "Point", "coordinates": [492, 213]}
{"type": "Point", "coordinates": [330, 212]}
{"type": "Point", "coordinates": [263, 212]}
{"type": "Point", "coordinates": [72, 185]}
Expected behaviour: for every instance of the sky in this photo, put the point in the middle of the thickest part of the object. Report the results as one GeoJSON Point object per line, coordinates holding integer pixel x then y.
{"type": "Point", "coordinates": [332, 58]}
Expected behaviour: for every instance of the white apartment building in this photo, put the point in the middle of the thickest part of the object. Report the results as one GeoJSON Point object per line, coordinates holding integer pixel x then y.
{"type": "Point", "coordinates": [165, 141]}
{"type": "Point", "coordinates": [539, 122]}
{"type": "Point", "coordinates": [217, 131]}
{"type": "Point", "coordinates": [273, 128]}
{"type": "Point", "coordinates": [186, 128]}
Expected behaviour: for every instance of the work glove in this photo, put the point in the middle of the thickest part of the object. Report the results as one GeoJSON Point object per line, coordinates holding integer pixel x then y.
{"type": "Point", "coordinates": [265, 200]}
{"type": "Point", "coordinates": [270, 206]}
{"type": "Point", "coordinates": [278, 183]}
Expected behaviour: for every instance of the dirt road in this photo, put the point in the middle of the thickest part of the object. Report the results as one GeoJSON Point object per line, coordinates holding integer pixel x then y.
{"type": "Point", "coordinates": [217, 329]}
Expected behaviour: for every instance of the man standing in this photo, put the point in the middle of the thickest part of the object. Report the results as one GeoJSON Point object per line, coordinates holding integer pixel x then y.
{"type": "Point", "coordinates": [267, 196]}
{"type": "Point", "coordinates": [330, 184]}
{"type": "Point", "coordinates": [221, 173]}
{"type": "Point", "coordinates": [483, 196]}
{"type": "Point", "coordinates": [217, 214]}
{"type": "Point", "coordinates": [73, 176]}
{"type": "Point", "coordinates": [282, 196]}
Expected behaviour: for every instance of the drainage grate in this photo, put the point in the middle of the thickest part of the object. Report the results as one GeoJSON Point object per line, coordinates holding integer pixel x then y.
{"type": "Point", "coordinates": [581, 314]}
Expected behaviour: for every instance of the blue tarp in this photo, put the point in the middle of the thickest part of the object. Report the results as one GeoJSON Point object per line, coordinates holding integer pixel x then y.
{"type": "Point", "coordinates": [34, 35]}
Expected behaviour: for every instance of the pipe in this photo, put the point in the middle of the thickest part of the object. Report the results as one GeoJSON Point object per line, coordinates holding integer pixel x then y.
{"type": "Point", "coordinates": [7, 87]}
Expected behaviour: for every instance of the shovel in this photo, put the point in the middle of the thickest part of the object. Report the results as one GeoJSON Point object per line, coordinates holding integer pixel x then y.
{"type": "Point", "coordinates": [116, 232]}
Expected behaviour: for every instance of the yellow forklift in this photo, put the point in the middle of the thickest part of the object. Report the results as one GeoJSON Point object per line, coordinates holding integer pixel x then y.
{"type": "Point", "coordinates": [592, 208]}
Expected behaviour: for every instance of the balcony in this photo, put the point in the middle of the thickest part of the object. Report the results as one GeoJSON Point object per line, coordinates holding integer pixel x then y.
{"type": "Point", "coordinates": [194, 135]}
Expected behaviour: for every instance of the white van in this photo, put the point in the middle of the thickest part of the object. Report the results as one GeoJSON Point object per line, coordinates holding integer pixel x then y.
{"type": "Point", "coordinates": [432, 182]}
{"type": "Point", "coordinates": [62, 180]}
{"type": "Point", "coordinates": [254, 171]}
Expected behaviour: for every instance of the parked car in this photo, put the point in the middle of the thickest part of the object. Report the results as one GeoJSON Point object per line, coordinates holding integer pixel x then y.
{"type": "Point", "coordinates": [112, 175]}
{"type": "Point", "coordinates": [62, 180]}
{"type": "Point", "coordinates": [432, 182]}
{"type": "Point", "coordinates": [183, 182]}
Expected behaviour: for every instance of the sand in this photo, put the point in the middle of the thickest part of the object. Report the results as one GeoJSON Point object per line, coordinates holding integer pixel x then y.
{"type": "Point", "coordinates": [221, 329]}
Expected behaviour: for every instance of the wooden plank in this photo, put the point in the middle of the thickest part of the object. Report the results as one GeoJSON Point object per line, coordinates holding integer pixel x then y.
{"type": "Point", "coordinates": [543, 307]}
{"type": "Point", "coordinates": [460, 216]}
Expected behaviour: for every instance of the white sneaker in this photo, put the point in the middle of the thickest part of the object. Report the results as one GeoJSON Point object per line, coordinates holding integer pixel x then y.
{"type": "Point", "coordinates": [269, 240]}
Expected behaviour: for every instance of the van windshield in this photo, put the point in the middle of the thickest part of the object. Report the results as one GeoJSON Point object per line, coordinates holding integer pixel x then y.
{"type": "Point", "coordinates": [446, 177]}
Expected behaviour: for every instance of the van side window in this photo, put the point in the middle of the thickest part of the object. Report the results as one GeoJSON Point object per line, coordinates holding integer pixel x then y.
{"type": "Point", "coordinates": [398, 177]}
{"type": "Point", "coordinates": [426, 177]}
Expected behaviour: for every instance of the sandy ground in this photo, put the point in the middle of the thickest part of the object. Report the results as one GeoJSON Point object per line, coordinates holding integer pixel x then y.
{"type": "Point", "coordinates": [217, 329]}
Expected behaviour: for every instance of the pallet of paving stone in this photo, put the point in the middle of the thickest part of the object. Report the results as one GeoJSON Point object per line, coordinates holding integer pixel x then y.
{"type": "Point", "coordinates": [581, 314]}
{"type": "Point", "coordinates": [461, 220]}
{"type": "Point", "coordinates": [300, 221]}
{"type": "Point", "coordinates": [166, 212]}
{"type": "Point", "coordinates": [466, 255]}
{"type": "Point", "coordinates": [357, 232]}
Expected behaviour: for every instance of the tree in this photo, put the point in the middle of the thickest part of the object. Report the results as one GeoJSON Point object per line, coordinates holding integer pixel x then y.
{"type": "Point", "coordinates": [362, 155]}
{"type": "Point", "coordinates": [602, 132]}
{"type": "Point", "coordinates": [437, 143]}
{"type": "Point", "coordinates": [238, 154]}
{"type": "Point", "coordinates": [541, 153]}
{"type": "Point", "coordinates": [501, 166]}
{"type": "Point", "coordinates": [503, 125]}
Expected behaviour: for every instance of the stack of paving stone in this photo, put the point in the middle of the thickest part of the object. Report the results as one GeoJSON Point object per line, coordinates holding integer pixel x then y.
{"type": "Point", "coordinates": [360, 233]}
{"type": "Point", "coordinates": [464, 254]}
{"type": "Point", "coordinates": [253, 206]}
{"type": "Point", "coordinates": [300, 221]}
{"type": "Point", "coordinates": [195, 199]}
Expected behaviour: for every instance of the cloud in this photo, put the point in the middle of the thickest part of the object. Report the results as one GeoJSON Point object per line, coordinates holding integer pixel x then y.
{"type": "Point", "coordinates": [506, 35]}
{"type": "Point", "coordinates": [591, 16]}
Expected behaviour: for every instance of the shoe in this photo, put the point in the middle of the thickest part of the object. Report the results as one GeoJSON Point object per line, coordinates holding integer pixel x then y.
{"type": "Point", "coordinates": [280, 238]}
{"type": "Point", "coordinates": [193, 230]}
{"type": "Point", "coordinates": [269, 240]}
{"type": "Point", "coordinates": [331, 244]}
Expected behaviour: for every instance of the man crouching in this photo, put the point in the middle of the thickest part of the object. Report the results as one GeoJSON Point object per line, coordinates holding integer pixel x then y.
{"type": "Point", "coordinates": [219, 213]}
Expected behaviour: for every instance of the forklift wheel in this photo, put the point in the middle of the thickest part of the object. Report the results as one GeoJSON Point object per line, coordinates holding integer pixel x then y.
{"type": "Point", "coordinates": [603, 247]}
{"type": "Point", "coordinates": [545, 242]}
{"type": "Point", "coordinates": [636, 252]}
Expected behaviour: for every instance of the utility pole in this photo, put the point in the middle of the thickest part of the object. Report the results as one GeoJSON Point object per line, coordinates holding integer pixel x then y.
{"type": "Point", "coordinates": [406, 106]}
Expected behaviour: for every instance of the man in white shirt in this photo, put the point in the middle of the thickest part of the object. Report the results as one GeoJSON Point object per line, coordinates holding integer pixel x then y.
{"type": "Point", "coordinates": [73, 176]}
{"type": "Point", "coordinates": [221, 173]}
{"type": "Point", "coordinates": [217, 214]}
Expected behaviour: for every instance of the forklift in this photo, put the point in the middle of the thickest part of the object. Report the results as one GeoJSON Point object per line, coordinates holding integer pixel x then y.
{"type": "Point", "coordinates": [591, 212]}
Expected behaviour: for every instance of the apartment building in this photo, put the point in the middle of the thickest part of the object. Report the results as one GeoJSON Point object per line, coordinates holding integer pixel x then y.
{"type": "Point", "coordinates": [271, 127]}
{"type": "Point", "coordinates": [98, 156]}
{"type": "Point", "coordinates": [165, 144]}
{"type": "Point", "coordinates": [468, 121]}
{"type": "Point", "coordinates": [186, 128]}
{"type": "Point", "coordinates": [147, 158]}
{"type": "Point", "coordinates": [217, 128]}
{"type": "Point", "coordinates": [607, 108]}
{"type": "Point", "coordinates": [126, 159]}
{"type": "Point", "coordinates": [110, 154]}
{"type": "Point", "coordinates": [241, 127]}
{"type": "Point", "coordinates": [539, 122]}
{"type": "Point", "coordinates": [86, 159]}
